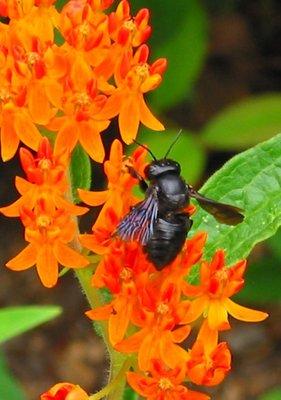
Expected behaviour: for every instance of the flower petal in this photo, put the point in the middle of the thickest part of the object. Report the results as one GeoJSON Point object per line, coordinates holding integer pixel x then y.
{"type": "Point", "coordinates": [119, 321]}
{"type": "Point", "coordinates": [142, 384]}
{"type": "Point", "coordinates": [91, 141]}
{"type": "Point", "coordinates": [147, 118]}
{"type": "Point", "coordinates": [67, 137]}
{"type": "Point", "coordinates": [26, 130]}
{"type": "Point", "coordinates": [100, 313]}
{"type": "Point", "coordinates": [88, 241]}
{"type": "Point", "coordinates": [217, 316]}
{"type": "Point", "coordinates": [93, 198]}
{"type": "Point", "coordinates": [69, 257]}
{"type": "Point", "coordinates": [132, 343]}
{"type": "Point", "coordinates": [47, 266]}
{"type": "Point", "coordinates": [196, 309]}
{"type": "Point", "coordinates": [69, 207]}
{"type": "Point", "coordinates": [13, 209]}
{"type": "Point", "coordinates": [180, 334]}
{"type": "Point", "coordinates": [172, 354]}
{"type": "Point", "coordinates": [38, 103]}
{"type": "Point", "coordinates": [9, 138]}
{"type": "Point", "coordinates": [24, 260]}
{"type": "Point", "coordinates": [129, 119]}
{"type": "Point", "coordinates": [244, 313]}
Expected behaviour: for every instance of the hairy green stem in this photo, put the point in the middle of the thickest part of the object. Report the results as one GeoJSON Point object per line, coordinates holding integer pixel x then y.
{"type": "Point", "coordinates": [112, 388]}
{"type": "Point", "coordinates": [119, 363]}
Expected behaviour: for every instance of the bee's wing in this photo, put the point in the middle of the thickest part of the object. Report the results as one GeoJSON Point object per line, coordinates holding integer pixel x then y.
{"type": "Point", "coordinates": [224, 213]}
{"type": "Point", "coordinates": [139, 222]}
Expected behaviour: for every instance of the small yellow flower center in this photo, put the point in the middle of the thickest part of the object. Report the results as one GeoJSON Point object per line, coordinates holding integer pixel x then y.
{"type": "Point", "coordinates": [162, 308]}
{"type": "Point", "coordinates": [165, 384]}
{"type": "Point", "coordinates": [126, 274]}
{"type": "Point", "coordinates": [130, 25]}
{"type": "Point", "coordinates": [84, 29]}
{"type": "Point", "coordinates": [45, 164]}
{"type": "Point", "coordinates": [43, 221]}
{"type": "Point", "coordinates": [82, 99]}
{"type": "Point", "coordinates": [142, 71]}
{"type": "Point", "coordinates": [32, 57]}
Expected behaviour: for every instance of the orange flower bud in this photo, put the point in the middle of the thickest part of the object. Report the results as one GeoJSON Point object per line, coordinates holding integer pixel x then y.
{"type": "Point", "coordinates": [65, 391]}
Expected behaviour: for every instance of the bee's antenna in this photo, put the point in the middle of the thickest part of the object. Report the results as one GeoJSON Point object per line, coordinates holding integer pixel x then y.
{"type": "Point", "coordinates": [173, 143]}
{"type": "Point", "coordinates": [146, 148]}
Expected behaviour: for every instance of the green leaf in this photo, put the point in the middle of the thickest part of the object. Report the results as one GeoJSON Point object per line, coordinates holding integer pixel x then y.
{"type": "Point", "coordinates": [17, 320]}
{"type": "Point", "coordinates": [60, 4]}
{"type": "Point", "coordinates": [9, 387]}
{"type": "Point", "coordinates": [130, 394]}
{"type": "Point", "coordinates": [262, 283]}
{"type": "Point", "coordinates": [244, 124]}
{"type": "Point", "coordinates": [274, 394]}
{"type": "Point", "coordinates": [80, 171]}
{"type": "Point", "coordinates": [251, 180]}
{"type": "Point", "coordinates": [59, 39]}
{"type": "Point", "coordinates": [180, 35]}
{"type": "Point", "coordinates": [192, 166]}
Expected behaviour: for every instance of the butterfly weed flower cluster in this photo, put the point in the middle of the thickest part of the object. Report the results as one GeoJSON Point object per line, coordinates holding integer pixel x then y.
{"type": "Point", "coordinates": [74, 87]}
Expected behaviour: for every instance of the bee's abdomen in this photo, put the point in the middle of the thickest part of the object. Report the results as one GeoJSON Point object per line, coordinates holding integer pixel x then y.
{"type": "Point", "coordinates": [168, 238]}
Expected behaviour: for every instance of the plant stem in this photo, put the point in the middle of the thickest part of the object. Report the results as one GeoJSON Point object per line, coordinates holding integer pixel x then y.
{"type": "Point", "coordinates": [114, 390]}
{"type": "Point", "coordinates": [110, 389]}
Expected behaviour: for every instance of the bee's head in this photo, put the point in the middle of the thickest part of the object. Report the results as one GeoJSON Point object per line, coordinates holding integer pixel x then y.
{"type": "Point", "coordinates": [159, 167]}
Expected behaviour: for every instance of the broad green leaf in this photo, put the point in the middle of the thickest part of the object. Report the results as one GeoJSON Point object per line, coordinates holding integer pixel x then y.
{"type": "Point", "coordinates": [80, 171]}
{"type": "Point", "coordinates": [180, 35]}
{"type": "Point", "coordinates": [262, 283]}
{"type": "Point", "coordinates": [129, 394]}
{"type": "Point", "coordinates": [9, 387]}
{"type": "Point", "coordinates": [187, 151]}
{"type": "Point", "coordinates": [244, 124]}
{"type": "Point", "coordinates": [17, 320]}
{"type": "Point", "coordinates": [274, 394]}
{"type": "Point", "coordinates": [251, 180]}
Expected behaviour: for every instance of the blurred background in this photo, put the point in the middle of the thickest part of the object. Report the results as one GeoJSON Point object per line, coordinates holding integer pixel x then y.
{"type": "Point", "coordinates": [223, 88]}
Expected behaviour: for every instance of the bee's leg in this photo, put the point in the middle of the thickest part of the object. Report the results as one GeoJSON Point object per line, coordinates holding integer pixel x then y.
{"type": "Point", "coordinates": [142, 184]}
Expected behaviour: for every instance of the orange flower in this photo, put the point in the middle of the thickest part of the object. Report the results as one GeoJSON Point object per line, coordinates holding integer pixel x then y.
{"type": "Point", "coordinates": [126, 32]}
{"type": "Point", "coordinates": [125, 29]}
{"type": "Point", "coordinates": [85, 30]}
{"type": "Point", "coordinates": [134, 78]}
{"type": "Point", "coordinates": [40, 67]}
{"type": "Point", "coordinates": [124, 272]}
{"type": "Point", "coordinates": [40, 16]}
{"type": "Point", "coordinates": [65, 391]}
{"type": "Point", "coordinates": [163, 384]}
{"type": "Point", "coordinates": [159, 316]}
{"type": "Point", "coordinates": [30, 90]}
{"type": "Point", "coordinates": [209, 361]}
{"type": "Point", "coordinates": [15, 122]}
{"type": "Point", "coordinates": [82, 105]}
{"type": "Point", "coordinates": [46, 176]}
{"type": "Point", "coordinates": [218, 283]}
{"type": "Point", "coordinates": [48, 231]}
{"type": "Point", "coordinates": [120, 184]}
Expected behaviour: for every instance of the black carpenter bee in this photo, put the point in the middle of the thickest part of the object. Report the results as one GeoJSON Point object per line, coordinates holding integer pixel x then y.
{"type": "Point", "coordinates": [159, 222]}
